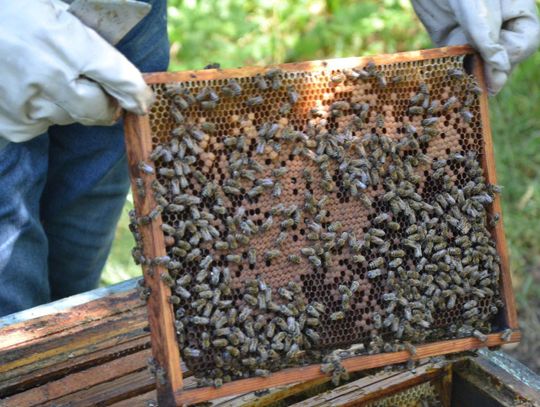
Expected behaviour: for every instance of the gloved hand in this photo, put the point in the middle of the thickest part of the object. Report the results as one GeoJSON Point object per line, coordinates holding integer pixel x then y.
{"type": "Point", "coordinates": [504, 32]}
{"type": "Point", "coordinates": [55, 70]}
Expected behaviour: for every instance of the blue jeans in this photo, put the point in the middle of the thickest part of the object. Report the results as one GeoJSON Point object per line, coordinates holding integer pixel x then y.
{"type": "Point", "coordinates": [61, 194]}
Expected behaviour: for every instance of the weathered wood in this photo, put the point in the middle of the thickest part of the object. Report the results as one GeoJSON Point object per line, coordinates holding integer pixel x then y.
{"type": "Point", "coordinates": [71, 339]}
{"type": "Point", "coordinates": [274, 395]}
{"type": "Point", "coordinates": [122, 388]}
{"type": "Point", "coordinates": [509, 373]}
{"type": "Point", "coordinates": [141, 400]}
{"type": "Point", "coordinates": [81, 380]}
{"type": "Point", "coordinates": [27, 332]}
{"type": "Point", "coordinates": [66, 304]}
{"type": "Point", "coordinates": [55, 349]}
{"type": "Point", "coordinates": [39, 376]}
{"type": "Point", "coordinates": [160, 312]}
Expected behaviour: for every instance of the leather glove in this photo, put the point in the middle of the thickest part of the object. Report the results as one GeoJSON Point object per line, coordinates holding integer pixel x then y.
{"type": "Point", "coordinates": [56, 70]}
{"type": "Point", "coordinates": [504, 32]}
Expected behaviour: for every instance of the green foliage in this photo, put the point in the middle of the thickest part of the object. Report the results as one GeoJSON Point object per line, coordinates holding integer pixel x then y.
{"type": "Point", "coordinates": [515, 117]}
{"type": "Point", "coordinates": [257, 32]}
{"type": "Point", "coordinates": [120, 265]}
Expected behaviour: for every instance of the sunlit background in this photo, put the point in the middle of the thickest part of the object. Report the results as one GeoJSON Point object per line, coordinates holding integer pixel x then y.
{"type": "Point", "coordinates": [258, 32]}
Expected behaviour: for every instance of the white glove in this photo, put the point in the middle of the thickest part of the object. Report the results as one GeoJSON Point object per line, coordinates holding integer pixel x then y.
{"type": "Point", "coordinates": [55, 70]}
{"type": "Point", "coordinates": [504, 32]}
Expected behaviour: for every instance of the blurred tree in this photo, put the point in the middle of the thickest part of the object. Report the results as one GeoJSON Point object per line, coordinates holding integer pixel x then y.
{"type": "Point", "coordinates": [256, 32]}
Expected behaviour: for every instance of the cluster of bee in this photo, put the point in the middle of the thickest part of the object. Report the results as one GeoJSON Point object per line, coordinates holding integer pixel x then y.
{"type": "Point", "coordinates": [429, 252]}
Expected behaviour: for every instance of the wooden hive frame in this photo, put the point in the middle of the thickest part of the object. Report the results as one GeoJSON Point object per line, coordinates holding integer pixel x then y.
{"type": "Point", "coordinates": [160, 312]}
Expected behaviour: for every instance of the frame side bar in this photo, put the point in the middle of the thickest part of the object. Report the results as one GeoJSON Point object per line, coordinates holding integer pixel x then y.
{"type": "Point", "coordinates": [160, 311]}
{"type": "Point", "coordinates": [488, 162]}
{"type": "Point", "coordinates": [338, 63]}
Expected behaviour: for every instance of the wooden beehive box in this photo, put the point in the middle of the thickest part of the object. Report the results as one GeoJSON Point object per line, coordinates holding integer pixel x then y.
{"type": "Point", "coordinates": [364, 197]}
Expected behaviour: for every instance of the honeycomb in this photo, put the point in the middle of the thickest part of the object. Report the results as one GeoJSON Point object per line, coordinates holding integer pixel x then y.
{"type": "Point", "coordinates": [328, 207]}
{"type": "Point", "coordinates": [424, 394]}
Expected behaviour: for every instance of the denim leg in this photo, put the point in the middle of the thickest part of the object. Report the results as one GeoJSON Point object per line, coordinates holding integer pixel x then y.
{"type": "Point", "coordinates": [88, 178]}
{"type": "Point", "coordinates": [23, 243]}
{"type": "Point", "coordinates": [80, 237]}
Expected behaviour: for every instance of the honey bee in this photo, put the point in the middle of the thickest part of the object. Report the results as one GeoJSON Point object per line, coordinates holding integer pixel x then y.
{"type": "Point", "coordinates": [191, 352]}
{"type": "Point", "coordinates": [312, 335]}
{"type": "Point", "coordinates": [379, 120]}
{"type": "Point", "coordinates": [434, 107]}
{"type": "Point", "coordinates": [336, 316]}
{"type": "Point", "coordinates": [255, 101]}
{"type": "Point", "coordinates": [266, 224]}
{"type": "Point", "coordinates": [206, 262]}
{"type": "Point", "coordinates": [276, 82]}
{"type": "Point", "coordinates": [377, 320]}
{"type": "Point", "coordinates": [208, 104]}
{"type": "Point", "coordinates": [272, 254]}
{"type": "Point", "coordinates": [246, 312]}
{"type": "Point", "coordinates": [293, 258]}
{"type": "Point", "coordinates": [383, 217]}
{"type": "Point", "coordinates": [233, 86]}
{"type": "Point", "coordinates": [506, 335]}
{"type": "Point", "coordinates": [466, 115]}
{"type": "Point", "coordinates": [145, 167]}
{"type": "Point", "coordinates": [396, 79]}
{"type": "Point", "coordinates": [251, 300]}
{"type": "Point", "coordinates": [430, 121]}
{"type": "Point", "coordinates": [378, 262]}
{"type": "Point", "coordinates": [450, 103]}
{"type": "Point", "coordinates": [176, 113]}
{"type": "Point", "coordinates": [337, 78]}
{"type": "Point", "coordinates": [285, 109]}
{"type": "Point", "coordinates": [374, 273]}
{"type": "Point", "coordinates": [231, 190]}
{"type": "Point", "coordinates": [252, 256]}
{"type": "Point", "coordinates": [340, 105]}
{"type": "Point", "coordinates": [260, 82]}
{"type": "Point", "coordinates": [276, 192]}
{"type": "Point", "coordinates": [230, 318]}
{"type": "Point", "coordinates": [455, 73]}
{"type": "Point", "coordinates": [281, 238]}
{"type": "Point", "coordinates": [315, 260]}
{"type": "Point", "coordinates": [230, 141]}
{"type": "Point", "coordinates": [416, 110]}
{"type": "Point", "coordinates": [479, 335]}
{"type": "Point", "coordinates": [335, 226]}
{"type": "Point", "coordinates": [381, 79]}
{"type": "Point", "coordinates": [293, 94]}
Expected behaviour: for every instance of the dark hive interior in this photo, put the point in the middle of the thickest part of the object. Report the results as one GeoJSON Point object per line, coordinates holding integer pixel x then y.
{"type": "Point", "coordinates": [308, 211]}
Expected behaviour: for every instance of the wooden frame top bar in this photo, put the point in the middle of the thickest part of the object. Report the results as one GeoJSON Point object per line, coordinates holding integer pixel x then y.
{"type": "Point", "coordinates": [338, 63]}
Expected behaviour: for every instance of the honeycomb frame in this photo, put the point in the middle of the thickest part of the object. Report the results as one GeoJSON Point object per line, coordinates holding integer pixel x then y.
{"type": "Point", "coordinates": [141, 140]}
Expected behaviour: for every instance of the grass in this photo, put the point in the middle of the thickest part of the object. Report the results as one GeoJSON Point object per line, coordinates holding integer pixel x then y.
{"type": "Point", "coordinates": [238, 32]}
{"type": "Point", "coordinates": [515, 117]}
